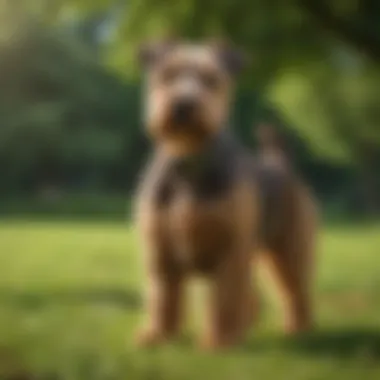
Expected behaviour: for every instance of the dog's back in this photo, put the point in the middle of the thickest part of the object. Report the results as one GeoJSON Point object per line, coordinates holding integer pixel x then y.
{"type": "Point", "coordinates": [284, 196]}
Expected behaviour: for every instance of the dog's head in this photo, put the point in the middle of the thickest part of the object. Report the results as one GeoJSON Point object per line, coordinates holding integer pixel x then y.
{"type": "Point", "coordinates": [188, 89]}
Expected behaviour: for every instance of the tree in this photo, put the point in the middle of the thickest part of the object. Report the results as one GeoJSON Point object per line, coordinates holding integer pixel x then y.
{"type": "Point", "coordinates": [62, 112]}
{"type": "Point", "coordinates": [316, 61]}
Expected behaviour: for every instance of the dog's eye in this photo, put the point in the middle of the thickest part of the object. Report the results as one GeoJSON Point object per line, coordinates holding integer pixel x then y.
{"type": "Point", "coordinates": [210, 80]}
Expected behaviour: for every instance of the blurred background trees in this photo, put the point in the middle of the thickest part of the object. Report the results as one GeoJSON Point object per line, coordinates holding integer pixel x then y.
{"type": "Point", "coordinates": [70, 89]}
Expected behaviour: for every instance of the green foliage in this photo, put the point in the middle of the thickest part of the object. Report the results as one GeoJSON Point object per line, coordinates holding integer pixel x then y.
{"type": "Point", "coordinates": [54, 206]}
{"type": "Point", "coordinates": [70, 102]}
{"type": "Point", "coordinates": [290, 53]}
{"type": "Point", "coordinates": [336, 111]}
{"type": "Point", "coordinates": [61, 109]}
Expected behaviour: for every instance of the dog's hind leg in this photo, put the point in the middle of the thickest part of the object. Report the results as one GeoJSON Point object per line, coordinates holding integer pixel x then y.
{"type": "Point", "coordinates": [291, 276]}
{"type": "Point", "coordinates": [292, 265]}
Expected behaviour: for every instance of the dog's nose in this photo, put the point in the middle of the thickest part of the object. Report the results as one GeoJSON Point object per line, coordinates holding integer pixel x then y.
{"type": "Point", "coordinates": [184, 110]}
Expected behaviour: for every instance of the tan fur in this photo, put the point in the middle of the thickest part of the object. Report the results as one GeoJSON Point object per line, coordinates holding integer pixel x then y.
{"type": "Point", "coordinates": [290, 258]}
{"type": "Point", "coordinates": [290, 252]}
{"type": "Point", "coordinates": [216, 238]}
{"type": "Point", "coordinates": [222, 229]}
{"type": "Point", "coordinates": [160, 95]}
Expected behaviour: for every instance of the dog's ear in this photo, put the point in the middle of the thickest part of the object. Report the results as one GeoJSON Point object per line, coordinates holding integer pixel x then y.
{"type": "Point", "coordinates": [150, 53]}
{"type": "Point", "coordinates": [232, 58]}
{"type": "Point", "coordinates": [146, 55]}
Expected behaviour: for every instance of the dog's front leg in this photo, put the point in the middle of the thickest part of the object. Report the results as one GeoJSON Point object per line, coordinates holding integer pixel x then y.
{"type": "Point", "coordinates": [230, 309]}
{"type": "Point", "coordinates": [165, 286]}
{"type": "Point", "coordinates": [164, 308]}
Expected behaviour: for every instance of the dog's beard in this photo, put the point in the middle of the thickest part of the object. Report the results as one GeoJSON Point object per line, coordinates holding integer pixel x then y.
{"type": "Point", "coordinates": [195, 128]}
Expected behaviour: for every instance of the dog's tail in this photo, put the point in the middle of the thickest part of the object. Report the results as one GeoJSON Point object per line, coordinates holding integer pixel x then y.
{"type": "Point", "coordinates": [271, 143]}
{"type": "Point", "coordinates": [268, 137]}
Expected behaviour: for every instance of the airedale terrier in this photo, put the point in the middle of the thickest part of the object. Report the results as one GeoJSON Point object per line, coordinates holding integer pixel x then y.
{"type": "Point", "coordinates": [207, 207]}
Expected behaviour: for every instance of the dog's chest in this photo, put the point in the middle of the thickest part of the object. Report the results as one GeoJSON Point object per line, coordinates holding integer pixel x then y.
{"type": "Point", "coordinates": [200, 231]}
{"type": "Point", "coordinates": [198, 213]}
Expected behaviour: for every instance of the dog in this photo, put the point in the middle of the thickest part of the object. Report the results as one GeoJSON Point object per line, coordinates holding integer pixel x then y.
{"type": "Point", "coordinates": [207, 207]}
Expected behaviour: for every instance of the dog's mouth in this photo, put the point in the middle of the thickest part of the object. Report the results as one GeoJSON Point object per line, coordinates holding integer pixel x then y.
{"type": "Point", "coordinates": [185, 116]}
{"type": "Point", "coordinates": [190, 127]}
{"type": "Point", "coordinates": [184, 113]}
{"type": "Point", "coordinates": [184, 123]}
{"type": "Point", "coordinates": [183, 134]}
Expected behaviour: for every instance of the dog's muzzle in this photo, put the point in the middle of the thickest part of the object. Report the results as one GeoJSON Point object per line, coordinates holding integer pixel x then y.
{"type": "Point", "coordinates": [184, 112]}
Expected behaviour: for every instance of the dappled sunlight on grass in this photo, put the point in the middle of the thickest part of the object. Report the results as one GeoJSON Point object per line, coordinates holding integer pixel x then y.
{"type": "Point", "coordinates": [70, 300]}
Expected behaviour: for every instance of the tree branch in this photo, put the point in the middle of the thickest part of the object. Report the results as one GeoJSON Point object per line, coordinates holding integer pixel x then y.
{"type": "Point", "coordinates": [361, 39]}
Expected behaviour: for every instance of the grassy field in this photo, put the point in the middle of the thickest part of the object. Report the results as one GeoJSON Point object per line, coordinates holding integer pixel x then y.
{"type": "Point", "coordinates": [70, 302]}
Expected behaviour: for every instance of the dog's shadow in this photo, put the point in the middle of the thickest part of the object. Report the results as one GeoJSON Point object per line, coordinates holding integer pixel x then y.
{"type": "Point", "coordinates": [347, 343]}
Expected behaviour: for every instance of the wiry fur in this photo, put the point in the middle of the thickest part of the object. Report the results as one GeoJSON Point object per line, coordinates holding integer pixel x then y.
{"type": "Point", "coordinates": [206, 206]}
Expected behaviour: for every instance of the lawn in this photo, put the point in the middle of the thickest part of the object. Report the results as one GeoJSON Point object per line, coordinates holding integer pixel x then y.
{"type": "Point", "coordinates": [70, 303]}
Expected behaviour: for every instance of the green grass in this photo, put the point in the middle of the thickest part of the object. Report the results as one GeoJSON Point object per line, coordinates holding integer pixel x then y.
{"type": "Point", "coordinates": [70, 303]}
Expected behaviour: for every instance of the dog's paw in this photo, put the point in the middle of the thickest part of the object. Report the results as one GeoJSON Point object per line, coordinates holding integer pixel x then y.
{"type": "Point", "coordinates": [149, 338]}
{"type": "Point", "coordinates": [216, 343]}
{"type": "Point", "coordinates": [296, 328]}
